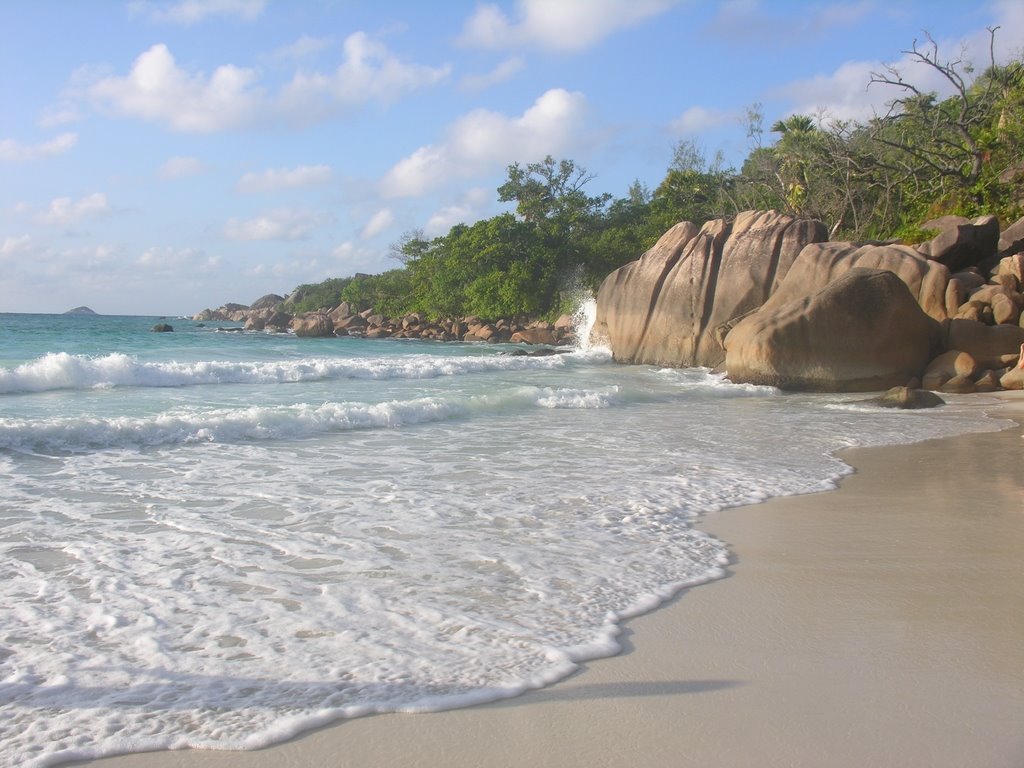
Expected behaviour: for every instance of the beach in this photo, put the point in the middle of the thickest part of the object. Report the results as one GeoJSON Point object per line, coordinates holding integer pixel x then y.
{"type": "Point", "coordinates": [878, 625]}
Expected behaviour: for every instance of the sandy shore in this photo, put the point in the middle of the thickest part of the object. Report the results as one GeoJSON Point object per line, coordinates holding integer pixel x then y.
{"type": "Point", "coordinates": [880, 625]}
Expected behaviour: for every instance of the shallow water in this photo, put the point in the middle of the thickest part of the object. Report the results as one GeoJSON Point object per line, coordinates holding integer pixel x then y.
{"type": "Point", "coordinates": [221, 539]}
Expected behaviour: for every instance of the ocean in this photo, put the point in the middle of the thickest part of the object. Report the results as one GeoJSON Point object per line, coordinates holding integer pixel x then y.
{"type": "Point", "coordinates": [220, 539]}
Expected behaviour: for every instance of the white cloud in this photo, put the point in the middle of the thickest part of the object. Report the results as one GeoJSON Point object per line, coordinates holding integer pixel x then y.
{"type": "Point", "coordinates": [379, 222]}
{"type": "Point", "coordinates": [16, 246]}
{"type": "Point", "coordinates": [483, 141]}
{"type": "Point", "coordinates": [303, 48]}
{"type": "Point", "coordinates": [697, 120]}
{"type": "Point", "coordinates": [181, 167]}
{"type": "Point", "coordinates": [845, 93]}
{"type": "Point", "coordinates": [278, 224]}
{"type": "Point", "coordinates": [16, 152]}
{"type": "Point", "coordinates": [158, 90]}
{"type": "Point", "coordinates": [60, 114]}
{"type": "Point", "coordinates": [1010, 37]}
{"type": "Point", "coordinates": [842, 95]}
{"type": "Point", "coordinates": [566, 25]}
{"type": "Point", "coordinates": [753, 21]}
{"type": "Point", "coordinates": [293, 270]}
{"type": "Point", "coordinates": [467, 210]}
{"type": "Point", "coordinates": [64, 211]}
{"type": "Point", "coordinates": [505, 71]}
{"type": "Point", "coordinates": [84, 260]}
{"type": "Point", "coordinates": [352, 257]}
{"type": "Point", "coordinates": [166, 260]}
{"type": "Point", "coordinates": [369, 72]}
{"type": "Point", "coordinates": [274, 179]}
{"type": "Point", "coordinates": [189, 12]}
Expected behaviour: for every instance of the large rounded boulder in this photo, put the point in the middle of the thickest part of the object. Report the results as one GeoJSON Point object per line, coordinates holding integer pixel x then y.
{"type": "Point", "coordinates": [863, 331]}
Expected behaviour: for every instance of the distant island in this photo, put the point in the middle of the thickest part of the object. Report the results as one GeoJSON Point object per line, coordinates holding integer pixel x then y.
{"type": "Point", "coordinates": [80, 311]}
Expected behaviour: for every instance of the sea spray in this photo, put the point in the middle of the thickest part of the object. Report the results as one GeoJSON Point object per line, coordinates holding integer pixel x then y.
{"type": "Point", "coordinates": [583, 323]}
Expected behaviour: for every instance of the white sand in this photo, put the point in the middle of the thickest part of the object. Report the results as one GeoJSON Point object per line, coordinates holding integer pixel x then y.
{"type": "Point", "coordinates": [880, 625]}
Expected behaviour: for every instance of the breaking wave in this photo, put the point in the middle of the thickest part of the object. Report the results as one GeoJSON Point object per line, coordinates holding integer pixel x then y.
{"type": "Point", "coordinates": [62, 371]}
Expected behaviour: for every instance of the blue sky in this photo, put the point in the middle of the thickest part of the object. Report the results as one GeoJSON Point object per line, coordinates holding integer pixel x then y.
{"type": "Point", "coordinates": [162, 156]}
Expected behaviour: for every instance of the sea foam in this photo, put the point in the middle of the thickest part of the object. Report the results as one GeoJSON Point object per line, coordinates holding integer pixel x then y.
{"type": "Point", "coordinates": [60, 371]}
{"type": "Point", "coordinates": [290, 422]}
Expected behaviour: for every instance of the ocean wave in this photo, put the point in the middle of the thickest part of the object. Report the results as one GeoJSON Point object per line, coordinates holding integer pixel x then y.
{"type": "Point", "coordinates": [286, 422]}
{"type": "Point", "coordinates": [57, 371]}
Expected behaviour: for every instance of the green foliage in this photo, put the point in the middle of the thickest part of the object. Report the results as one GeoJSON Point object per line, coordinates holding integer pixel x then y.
{"type": "Point", "coordinates": [388, 292]}
{"type": "Point", "coordinates": [325, 295]}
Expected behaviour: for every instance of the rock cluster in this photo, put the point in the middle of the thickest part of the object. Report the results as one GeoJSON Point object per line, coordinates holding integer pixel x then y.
{"type": "Point", "coordinates": [767, 299]}
{"type": "Point", "coordinates": [343, 320]}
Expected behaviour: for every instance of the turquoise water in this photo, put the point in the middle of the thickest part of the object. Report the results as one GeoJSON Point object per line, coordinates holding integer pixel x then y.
{"type": "Point", "coordinates": [220, 539]}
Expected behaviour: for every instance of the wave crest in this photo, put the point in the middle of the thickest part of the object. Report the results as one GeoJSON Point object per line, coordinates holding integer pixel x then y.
{"type": "Point", "coordinates": [61, 370]}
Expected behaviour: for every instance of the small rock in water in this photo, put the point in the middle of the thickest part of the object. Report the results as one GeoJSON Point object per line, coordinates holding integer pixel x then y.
{"type": "Point", "coordinates": [162, 328]}
{"type": "Point", "coordinates": [905, 397]}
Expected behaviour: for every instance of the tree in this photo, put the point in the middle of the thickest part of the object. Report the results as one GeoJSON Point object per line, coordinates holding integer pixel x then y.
{"type": "Point", "coordinates": [693, 189]}
{"type": "Point", "coordinates": [548, 191]}
{"type": "Point", "coordinates": [410, 245]}
{"type": "Point", "coordinates": [389, 292]}
{"type": "Point", "coordinates": [551, 199]}
{"type": "Point", "coordinates": [796, 152]}
{"type": "Point", "coordinates": [933, 145]}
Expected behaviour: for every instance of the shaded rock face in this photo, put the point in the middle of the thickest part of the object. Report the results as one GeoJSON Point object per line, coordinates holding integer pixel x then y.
{"type": "Point", "coordinates": [270, 301]}
{"type": "Point", "coordinates": [674, 305]}
{"type": "Point", "coordinates": [821, 263]}
{"type": "Point", "coordinates": [992, 346]}
{"type": "Point", "coordinates": [1011, 239]}
{"type": "Point", "coordinates": [863, 331]}
{"type": "Point", "coordinates": [961, 243]}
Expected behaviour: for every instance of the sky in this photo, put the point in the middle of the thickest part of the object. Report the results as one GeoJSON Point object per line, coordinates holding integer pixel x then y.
{"type": "Point", "coordinates": [162, 156]}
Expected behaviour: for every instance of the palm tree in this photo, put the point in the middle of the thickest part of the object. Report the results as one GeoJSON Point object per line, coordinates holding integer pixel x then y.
{"type": "Point", "coordinates": [794, 154]}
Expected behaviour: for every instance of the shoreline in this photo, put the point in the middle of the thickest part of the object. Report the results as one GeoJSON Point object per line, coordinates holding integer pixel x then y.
{"type": "Point", "coordinates": [881, 624]}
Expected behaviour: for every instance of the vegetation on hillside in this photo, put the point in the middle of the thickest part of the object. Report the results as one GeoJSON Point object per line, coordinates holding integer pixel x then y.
{"type": "Point", "coordinates": [882, 178]}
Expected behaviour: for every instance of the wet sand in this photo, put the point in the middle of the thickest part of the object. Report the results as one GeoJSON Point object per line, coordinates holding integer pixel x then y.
{"type": "Point", "coordinates": [878, 625]}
